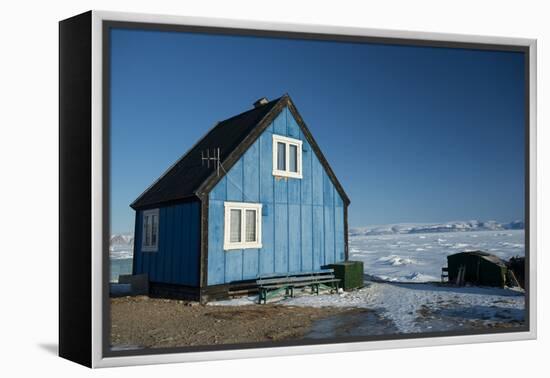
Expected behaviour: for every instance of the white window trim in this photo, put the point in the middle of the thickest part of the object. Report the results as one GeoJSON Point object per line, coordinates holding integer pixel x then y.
{"type": "Point", "coordinates": [227, 244]}
{"type": "Point", "coordinates": [149, 248]}
{"type": "Point", "coordinates": [287, 141]}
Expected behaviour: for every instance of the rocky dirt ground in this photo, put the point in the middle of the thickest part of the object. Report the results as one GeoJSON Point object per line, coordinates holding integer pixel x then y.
{"type": "Point", "coordinates": [142, 322]}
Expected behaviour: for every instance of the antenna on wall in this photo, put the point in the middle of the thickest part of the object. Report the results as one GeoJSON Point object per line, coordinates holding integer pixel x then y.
{"type": "Point", "coordinates": [211, 156]}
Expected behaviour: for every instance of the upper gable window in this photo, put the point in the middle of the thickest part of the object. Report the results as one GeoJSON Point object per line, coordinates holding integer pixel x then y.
{"type": "Point", "coordinates": [150, 236]}
{"type": "Point", "coordinates": [287, 156]}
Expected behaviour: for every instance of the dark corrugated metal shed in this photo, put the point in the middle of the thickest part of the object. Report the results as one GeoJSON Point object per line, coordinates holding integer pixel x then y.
{"type": "Point", "coordinates": [480, 268]}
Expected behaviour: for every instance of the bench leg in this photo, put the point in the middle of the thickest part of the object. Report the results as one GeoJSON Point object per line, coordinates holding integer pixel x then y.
{"type": "Point", "coordinates": [289, 291]}
{"type": "Point", "coordinates": [262, 296]}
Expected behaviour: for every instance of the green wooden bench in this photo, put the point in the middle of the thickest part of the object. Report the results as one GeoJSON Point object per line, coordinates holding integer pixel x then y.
{"type": "Point", "coordinates": [272, 285]}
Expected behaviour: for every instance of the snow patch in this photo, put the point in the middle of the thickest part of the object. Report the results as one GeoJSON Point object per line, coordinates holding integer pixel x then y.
{"type": "Point", "coordinates": [403, 303]}
{"type": "Point", "coordinates": [399, 257]}
{"type": "Point", "coordinates": [395, 260]}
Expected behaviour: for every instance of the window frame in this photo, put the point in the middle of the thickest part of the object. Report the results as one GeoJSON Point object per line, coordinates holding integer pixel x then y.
{"type": "Point", "coordinates": [150, 247]}
{"type": "Point", "coordinates": [287, 141]}
{"type": "Point", "coordinates": [243, 244]}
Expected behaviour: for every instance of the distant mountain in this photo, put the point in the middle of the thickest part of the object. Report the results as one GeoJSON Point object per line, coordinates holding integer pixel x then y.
{"type": "Point", "coordinates": [515, 225]}
{"type": "Point", "coordinates": [422, 228]}
{"type": "Point", "coordinates": [121, 242]}
{"type": "Point", "coordinates": [122, 239]}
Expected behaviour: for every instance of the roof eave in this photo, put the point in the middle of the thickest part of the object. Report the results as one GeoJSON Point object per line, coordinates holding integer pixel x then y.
{"type": "Point", "coordinates": [232, 158]}
{"type": "Point", "coordinates": [151, 205]}
{"type": "Point", "coordinates": [211, 181]}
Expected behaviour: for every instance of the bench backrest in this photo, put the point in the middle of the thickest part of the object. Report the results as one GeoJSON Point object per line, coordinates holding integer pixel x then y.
{"type": "Point", "coordinates": [295, 274]}
{"type": "Point", "coordinates": [303, 277]}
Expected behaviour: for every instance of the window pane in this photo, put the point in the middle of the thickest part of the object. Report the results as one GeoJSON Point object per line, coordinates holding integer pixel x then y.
{"type": "Point", "coordinates": [293, 158]}
{"type": "Point", "coordinates": [235, 226]}
{"type": "Point", "coordinates": [146, 230]}
{"type": "Point", "coordinates": [154, 230]}
{"type": "Point", "coordinates": [281, 156]}
{"type": "Point", "coordinates": [250, 225]}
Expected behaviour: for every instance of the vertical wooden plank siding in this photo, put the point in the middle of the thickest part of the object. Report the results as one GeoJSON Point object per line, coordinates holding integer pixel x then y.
{"type": "Point", "coordinates": [250, 263]}
{"type": "Point", "coordinates": [281, 189]}
{"type": "Point", "coordinates": [281, 238]}
{"type": "Point", "coordinates": [183, 235]}
{"type": "Point", "coordinates": [318, 236]}
{"type": "Point", "coordinates": [329, 233]}
{"type": "Point", "coordinates": [235, 192]}
{"type": "Point", "coordinates": [251, 188]}
{"type": "Point", "coordinates": [177, 258]}
{"type": "Point", "coordinates": [216, 254]}
{"type": "Point", "coordinates": [280, 123]}
{"type": "Point", "coordinates": [234, 265]}
{"type": "Point", "coordinates": [302, 219]}
{"type": "Point", "coordinates": [339, 241]}
{"type": "Point", "coordinates": [265, 143]}
{"type": "Point", "coordinates": [194, 243]}
{"type": "Point", "coordinates": [170, 258]}
{"type": "Point", "coordinates": [251, 171]}
{"type": "Point", "coordinates": [294, 241]}
{"type": "Point", "coordinates": [306, 183]}
{"type": "Point", "coordinates": [137, 262]}
{"type": "Point", "coordinates": [267, 253]}
{"type": "Point", "coordinates": [235, 184]}
{"type": "Point", "coordinates": [306, 237]}
{"type": "Point", "coordinates": [293, 130]}
{"type": "Point", "coordinates": [317, 181]}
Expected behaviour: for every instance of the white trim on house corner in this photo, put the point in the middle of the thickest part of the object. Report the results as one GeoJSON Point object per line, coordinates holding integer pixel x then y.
{"type": "Point", "coordinates": [152, 247]}
{"type": "Point", "coordinates": [242, 206]}
{"type": "Point", "coordinates": [287, 141]}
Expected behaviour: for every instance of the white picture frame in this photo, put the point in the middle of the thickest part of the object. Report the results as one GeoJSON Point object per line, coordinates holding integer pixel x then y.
{"type": "Point", "coordinates": [100, 357]}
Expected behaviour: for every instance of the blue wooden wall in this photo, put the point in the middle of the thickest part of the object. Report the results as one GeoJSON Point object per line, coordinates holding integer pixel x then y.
{"type": "Point", "coordinates": [177, 258]}
{"type": "Point", "coordinates": [302, 222]}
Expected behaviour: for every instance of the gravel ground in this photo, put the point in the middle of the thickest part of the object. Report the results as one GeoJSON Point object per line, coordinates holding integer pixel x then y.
{"type": "Point", "coordinates": [142, 322]}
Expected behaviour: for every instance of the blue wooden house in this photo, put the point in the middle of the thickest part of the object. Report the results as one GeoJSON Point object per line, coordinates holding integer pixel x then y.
{"type": "Point", "coordinates": [255, 196]}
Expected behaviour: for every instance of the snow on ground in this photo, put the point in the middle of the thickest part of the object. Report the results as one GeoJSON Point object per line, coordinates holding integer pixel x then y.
{"type": "Point", "coordinates": [416, 307]}
{"type": "Point", "coordinates": [420, 257]}
{"type": "Point", "coordinates": [400, 273]}
{"type": "Point", "coordinates": [406, 304]}
{"type": "Point", "coordinates": [406, 263]}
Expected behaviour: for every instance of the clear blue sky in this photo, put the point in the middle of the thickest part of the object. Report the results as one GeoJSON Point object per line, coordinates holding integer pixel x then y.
{"type": "Point", "coordinates": [414, 134]}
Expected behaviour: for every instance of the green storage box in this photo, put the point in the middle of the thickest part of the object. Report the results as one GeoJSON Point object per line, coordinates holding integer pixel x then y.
{"type": "Point", "coordinates": [350, 274]}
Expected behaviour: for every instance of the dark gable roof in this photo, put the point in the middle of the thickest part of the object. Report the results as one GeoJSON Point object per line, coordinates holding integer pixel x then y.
{"type": "Point", "coordinates": [481, 254]}
{"type": "Point", "coordinates": [188, 178]}
{"type": "Point", "coordinates": [184, 177]}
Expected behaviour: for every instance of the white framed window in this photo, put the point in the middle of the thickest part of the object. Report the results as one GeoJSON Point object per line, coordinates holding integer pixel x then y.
{"type": "Point", "coordinates": [150, 235]}
{"type": "Point", "coordinates": [242, 225]}
{"type": "Point", "coordinates": [287, 157]}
